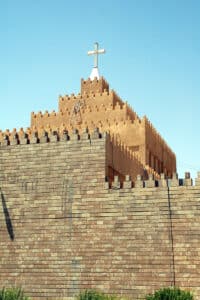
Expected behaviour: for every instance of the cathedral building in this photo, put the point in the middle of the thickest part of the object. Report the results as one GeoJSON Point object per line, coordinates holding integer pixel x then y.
{"type": "Point", "coordinates": [90, 199]}
{"type": "Point", "coordinates": [96, 106]}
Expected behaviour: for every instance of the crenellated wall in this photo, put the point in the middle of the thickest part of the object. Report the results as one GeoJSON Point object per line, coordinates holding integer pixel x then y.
{"type": "Point", "coordinates": [97, 106]}
{"type": "Point", "coordinates": [120, 160]}
{"type": "Point", "coordinates": [93, 110]}
{"type": "Point", "coordinates": [64, 229]}
{"type": "Point", "coordinates": [95, 85]}
{"type": "Point", "coordinates": [158, 154]}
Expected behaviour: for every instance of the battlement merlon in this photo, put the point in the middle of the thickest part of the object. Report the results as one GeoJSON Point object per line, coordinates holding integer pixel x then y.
{"type": "Point", "coordinates": [92, 100]}
{"type": "Point", "coordinates": [97, 97]}
{"type": "Point", "coordinates": [31, 136]}
{"type": "Point", "coordinates": [152, 183]}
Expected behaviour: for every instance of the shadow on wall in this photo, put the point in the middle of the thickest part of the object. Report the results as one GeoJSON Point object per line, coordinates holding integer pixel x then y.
{"type": "Point", "coordinates": [7, 217]}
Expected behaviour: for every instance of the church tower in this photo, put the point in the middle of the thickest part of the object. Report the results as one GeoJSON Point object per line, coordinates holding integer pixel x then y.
{"type": "Point", "coordinates": [96, 106]}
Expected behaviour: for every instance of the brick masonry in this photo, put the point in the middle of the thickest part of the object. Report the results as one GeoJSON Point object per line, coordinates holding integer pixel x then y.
{"type": "Point", "coordinates": [64, 229]}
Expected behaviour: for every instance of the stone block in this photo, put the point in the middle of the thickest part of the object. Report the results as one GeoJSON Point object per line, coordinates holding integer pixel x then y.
{"type": "Point", "coordinates": [127, 184]}
{"type": "Point", "coordinates": [174, 181]}
{"type": "Point", "coordinates": [188, 180]}
{"type": "Point", "coordinates": [150, 183]}
{"type": "Point", "coordinates": [197, 180]}
{"type": "Point", "coordinates": [95, 134]}
{"type": "Point", "coordinates": [75, 135]}
{"type": "Point", "coordinates": [162, 182]}
{"type": "Point", "coordinates": [44, 137]}
{"type": "Point", "coordinates": [116, 183]}
{"type": "Point", "coordinates": [139, 183]}
{"type": "Point", "coordinates": [34, 138]}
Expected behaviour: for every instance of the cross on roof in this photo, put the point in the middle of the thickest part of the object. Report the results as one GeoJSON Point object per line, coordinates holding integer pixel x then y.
{"type": "Point", "coordinates": [96, 53]}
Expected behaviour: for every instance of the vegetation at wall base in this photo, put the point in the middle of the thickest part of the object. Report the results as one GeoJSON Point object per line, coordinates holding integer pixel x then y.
{"type": "Point", "coordinates": [170, 294]}
{"type": "Point", "coordinates": [12, 294]}
{"type": "Point", "coordinates": [95, 295]}
{"type": "Point", "coordinates": [162, 294]}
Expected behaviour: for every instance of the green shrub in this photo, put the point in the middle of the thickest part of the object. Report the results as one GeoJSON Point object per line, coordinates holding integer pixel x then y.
{"type": "Point", "coordinates": [170, 294]}
{"type": "Point", "coordinates": [12, 294]}
{"type": "Point", "coordinates": [94, 295]}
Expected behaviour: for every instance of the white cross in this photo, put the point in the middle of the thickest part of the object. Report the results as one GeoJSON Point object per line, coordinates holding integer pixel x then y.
{"type": "Point", "coordinates": [96, 52]}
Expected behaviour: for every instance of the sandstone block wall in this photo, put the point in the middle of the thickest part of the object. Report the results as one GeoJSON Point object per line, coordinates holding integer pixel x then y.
{"type": "Point", "coordinates": [63, 229]}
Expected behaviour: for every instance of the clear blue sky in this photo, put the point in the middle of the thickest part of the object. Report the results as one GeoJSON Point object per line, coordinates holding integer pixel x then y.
{"type": "Point", "coordinates": [152, 61]}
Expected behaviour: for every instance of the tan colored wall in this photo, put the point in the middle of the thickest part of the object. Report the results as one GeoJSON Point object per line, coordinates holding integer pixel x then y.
{"type": "Point", "coordinates": [97, 106]}
{"type": "Point", "coordinates": [103, 110]}
{"type": "Point", "coordinates": [62, 229]}
{"type": "Point", "coordinates": [121, 161]}
{"type": "Point", "coordinates": [186, 232]}
{"type": "Point", "coordinates": [94, 86]}
{"type": "Point", "coordinates": [162, 157]}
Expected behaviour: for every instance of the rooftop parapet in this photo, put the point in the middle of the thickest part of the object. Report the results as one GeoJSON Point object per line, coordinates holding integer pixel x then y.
{"type": "Point", "coordinates": [28, 136]}
{"type": "Point", "coordinates": [16, 138]}
{"type": "Point", "coordinates": [95, 85]}
{"type": "Point", "coordinates": [157, 135]}
{"type": "Point", "coordinates": [151, 182]}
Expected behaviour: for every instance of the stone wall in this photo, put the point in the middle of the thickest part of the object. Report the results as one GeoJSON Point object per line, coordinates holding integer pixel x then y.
{"type": "Point", "coordinates": [63, 229]}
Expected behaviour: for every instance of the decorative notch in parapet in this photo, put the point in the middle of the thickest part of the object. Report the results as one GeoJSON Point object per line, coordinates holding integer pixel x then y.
{"type": "Point", "coordinates": [5, 141]}
{"type": "Point", "coordinates": [127, 184]}
{"type": "Point", "coordinates": [75, 135]}
{"type": "Point", "coordinates": [139, 183]}
{"type": "Point", "coordinates": [175, 181]}
{"type": "Point", "coordinates": [95, 81]}
{"type": "Point", "coordinates": [96, 134]}
{"type": "Point", "coordinates": [34, 137]}
{"type": "Point", "coordinates": [163, 182]}
{"type": "Point", "coordinates": [151, 182]}
{"type": "Point", "coordinates": [94, 86]}
{"type": "Point", "coordinates": [116, 183]}
{"type": "Point", "coordinates": [150, 126]}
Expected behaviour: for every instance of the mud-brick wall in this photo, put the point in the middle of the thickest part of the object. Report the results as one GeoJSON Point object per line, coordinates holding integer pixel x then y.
{"type": "Point", "coordinates": [63, 230]}
{"type": "Point", "coordinates": [185, 205]}
{"type": "Point", "coordinates": [42, 186]}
